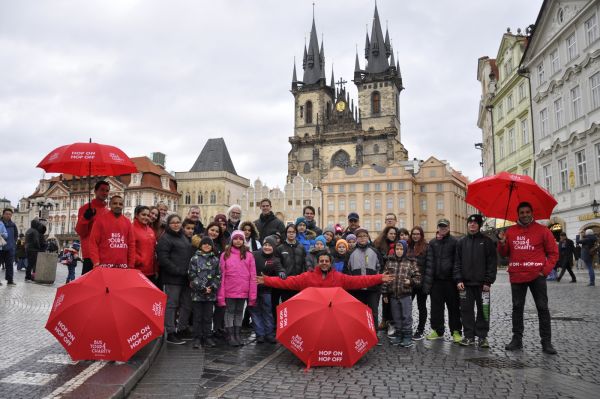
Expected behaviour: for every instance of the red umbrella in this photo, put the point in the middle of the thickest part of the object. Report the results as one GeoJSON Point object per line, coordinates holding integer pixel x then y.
{"type": "Point", "coordinates": [107, 314]}
{"type": "Point", "coordinates": [326, 327]}
{"type": "Point", "coordinates": [498, 196]}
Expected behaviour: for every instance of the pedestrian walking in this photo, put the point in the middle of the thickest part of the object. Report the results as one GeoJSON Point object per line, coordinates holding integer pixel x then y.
{"type": "Point", "coordinates": [474, 273]}
{"type": "Point", "coordinates": [588, 246]}
{"type": "Point", "coordinates": [417, 249]}
{"type": "Point", "coordinates": [439, 283]}
{"type": "Point", "coordinates": [398, 292]}
{"type": "Point", "coordinates": [532, 253]}
{"type": "Point", "coordinates": [69, 258]}
{"type": "Point", "coordinates": [8, 250]}
{"type": "Point", "coordinates": [204, 274]}
{"type": "Point", "coordinates": [20, 253]}
{"type": "Point", "coordinates": [566, 253]}
{"type": "Point", "coordinates": [238, 285]}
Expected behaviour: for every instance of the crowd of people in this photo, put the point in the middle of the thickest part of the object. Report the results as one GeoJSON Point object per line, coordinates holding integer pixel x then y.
{"type": "Point", "coordinates": [219, 276]}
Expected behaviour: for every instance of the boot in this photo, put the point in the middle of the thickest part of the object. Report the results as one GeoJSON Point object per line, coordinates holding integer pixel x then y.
{"type": "Point", "coordinates": [548, 348]}
{"type": "Point", "coordinates": [230, 337]}
{"type": "Point", "coordinates": [407, 341]}
{"type": "Point", "coordinates": [397, 338]}
{"type": "Point", "coordinates": [516, 343]}
{"type": "Point", "coordinates": [238, 335]}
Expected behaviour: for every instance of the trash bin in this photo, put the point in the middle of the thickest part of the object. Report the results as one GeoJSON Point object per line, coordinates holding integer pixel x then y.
{"type": "Point", "coordinates": [45, 268]}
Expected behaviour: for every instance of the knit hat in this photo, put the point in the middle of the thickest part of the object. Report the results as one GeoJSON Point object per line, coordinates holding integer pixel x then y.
{"type": "Point", "coordinates": [361, 230]}
{"type": "Point", "coordinates": [271, 241]}
{"type": "Point", "coordinates": [475, 218]}
{"type": "Point", "coordinates": [350, 237]}
{"type": "Point", "coordinates": [207, 240]}
{"type": "Point", "coordinates": [237, 233]}
{"type": "Point", "coordinates": [76, 245]}
{"type": "Point", "coordinates": [220, 218]}
{"type": "Point", "coordinates": [589, 232]}
{"type": "Point", "coordinates": [301, 220]}
{"type": "Point", "coordinates": [329, 229]}
{"type": "Point", "coordinates": [404, 246]}
{"type": "Point", "coordinates": [341, 242]}
{"type": "Point", "coordinates": [322, 239]}
{"type": "Point", "coordinates": [338, 229]}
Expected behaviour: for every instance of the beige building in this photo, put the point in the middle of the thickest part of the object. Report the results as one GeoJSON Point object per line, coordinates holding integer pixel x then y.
{"type": "Point", "coordinates": [287, 203]}
{"type": "Point", "coordinates": [212, 183]}
{"type": "Point", "coordinates": [418, 192]}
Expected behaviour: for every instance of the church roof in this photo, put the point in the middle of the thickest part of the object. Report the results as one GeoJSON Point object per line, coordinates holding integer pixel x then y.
{"type": "Point", "coordinates": [214, 158]}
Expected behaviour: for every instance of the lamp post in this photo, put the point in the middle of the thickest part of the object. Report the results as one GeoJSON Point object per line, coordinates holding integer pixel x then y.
{"type": "Point", "coordinates": [479, 146]}
{"type": "Point", "coordinates": [595, 205]}
{"type": "Point", "coordinates": [43, 204]}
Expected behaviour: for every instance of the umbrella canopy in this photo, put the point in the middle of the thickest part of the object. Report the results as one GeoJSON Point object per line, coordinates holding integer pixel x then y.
{"type": "Point", "coordinates": [326, 327]}
{"type": "Point", "coordinates": [498, 196]}
{"type": "Point", "coordinates": [86, 159]}
{"type": "Point", "coordinates": [107, 314]}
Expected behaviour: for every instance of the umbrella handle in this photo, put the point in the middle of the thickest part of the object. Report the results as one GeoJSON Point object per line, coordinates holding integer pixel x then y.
{"type": "Point", "coordinates": [510, 190]}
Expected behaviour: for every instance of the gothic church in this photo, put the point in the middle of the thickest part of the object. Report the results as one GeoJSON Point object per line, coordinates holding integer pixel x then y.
{"type": "Point", "coordinates": [329, 130]}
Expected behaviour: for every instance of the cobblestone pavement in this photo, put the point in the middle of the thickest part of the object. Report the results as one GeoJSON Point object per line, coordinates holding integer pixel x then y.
{"type": "Point", "coordinates": [442, 369]}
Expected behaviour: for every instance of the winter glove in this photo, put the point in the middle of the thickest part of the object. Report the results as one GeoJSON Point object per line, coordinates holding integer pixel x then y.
{"type": "Point", "coordinates": [89, 213]}
{"type": "Point", "coordinates": [282, 275]}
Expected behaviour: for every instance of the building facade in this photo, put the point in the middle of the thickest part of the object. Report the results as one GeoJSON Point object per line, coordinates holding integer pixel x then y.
{"type": "Point", "coordinates": [212, 184]}
{"type": "Point", "coordinates": [486, 75]}
{"type": "Point", "coordinates": [563, 63]}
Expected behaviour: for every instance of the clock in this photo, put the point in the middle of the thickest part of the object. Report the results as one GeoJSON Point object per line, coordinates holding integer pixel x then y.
{"type": "Point", "coordinates": [340, 106]}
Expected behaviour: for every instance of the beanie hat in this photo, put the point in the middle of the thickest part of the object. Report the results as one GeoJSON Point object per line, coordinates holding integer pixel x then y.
{"type": "Point", "coordinates": [338, 229]}
{"type": "Point", "coordinates": [475, 218]}
{"type": "Point", "coordinates": [271, 241]}
{"type": "Point", "coordinates": [361, 230]}
{"type": "Point", "coordinates": [220, 218]}
{"type": "Point", "coordinates": [76, 245]}
{"type": "Point", "coordinates": [350, 237]}
{"type": "Point", "coordinates": [341, 242]}
{"type": "Point", "coordinates": [329, 229]}
{"type": "Point", "coordinates": [237, 233]}
{"type": "Point", "coordinates": [301, 220]}
{"type": "Point", "coordinates": [322, 239]}
{"type": "Point", "coordinates": [207, 240]}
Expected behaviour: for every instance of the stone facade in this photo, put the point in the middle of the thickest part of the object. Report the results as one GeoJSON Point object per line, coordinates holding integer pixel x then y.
{"type": "Point", "coordinates": [487, 72]}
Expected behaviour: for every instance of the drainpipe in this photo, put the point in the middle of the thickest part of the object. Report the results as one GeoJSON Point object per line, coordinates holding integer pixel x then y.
{"type": "Point", "coordinates": [524, 72]}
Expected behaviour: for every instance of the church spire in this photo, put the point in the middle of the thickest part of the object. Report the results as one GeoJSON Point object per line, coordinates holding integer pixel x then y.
{"type": "Point", "coordinates": [378, 51]}
{"type": "Point", "coordinates": [314, 67]}
{"type": "Point", "coordinates": [332, 78]}
{"type": "Point", "coordinates": [294, 76]}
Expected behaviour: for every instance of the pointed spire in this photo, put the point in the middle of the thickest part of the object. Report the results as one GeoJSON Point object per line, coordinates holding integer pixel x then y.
{"type": "Point", "coordinates": [392, 61]}
{"type": "Point", "coordinates": [388, 47]}
{"type": "Point", "coordinates": [377, 56]}
{"type": "Point", "coordinates": [314, 68]}
{"type": "Point", "coordinates": [305, 56]}
{"type": "Point", "coordinates": [294, 78]}
{"type": "Point", "coordinates": [332, 77]}
{"type": "Point", "coordinates": [367, 44]}
{"type": "Point", "coordinates": [356, 64]}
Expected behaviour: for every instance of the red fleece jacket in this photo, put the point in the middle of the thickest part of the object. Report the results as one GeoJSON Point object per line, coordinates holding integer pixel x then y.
{"type": "Point", "coordinates": [112, 242]}
{"type": "Point", "coordinates": [530, 250]}
{"type": "Point", "coordinates": [145, 244]}
{"type": "Point", "coordinates": [84, 226]}
{"type": "Point", "coordinates": [315, 278]}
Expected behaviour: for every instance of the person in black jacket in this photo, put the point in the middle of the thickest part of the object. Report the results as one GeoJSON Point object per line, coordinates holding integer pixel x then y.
{"type": "Point", "coordinates": [267, 223]}
{"type": "Point", "coordinates": [293, 258]}
{"type": "Point", "coordinates": [174, 251]}
{"type": "Point", "coordinates": [439, 283]}
{"type": "Point", "coordinates": [474, 273]}
{"type": "Point", "coordinates": [566, 252]}
{"type": "Point", "coordinates": [417, 249]}
{"type": "Point", "coordinates": [34, 243]}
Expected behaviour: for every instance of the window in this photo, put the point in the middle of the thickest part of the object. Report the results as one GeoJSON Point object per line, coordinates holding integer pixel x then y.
{"type": "Point", "coordinates": [526, 171]}
{"type": "Point", "coordinates": [547, 173]}
{"type": "Point", "coordinates": [213, 197]}
{"type": "Point", "coordinates": [500, 113]}
{"type": "Point", "coordinates": [74, 204]}
{"type": "Point", "coordinates": [572, 47]}
{"type": "Point", "coordinates": [598, 161]}
{"type": "Point", "coordinates": [521, 91]}
{"type": "Point", "coordinates": [377, 203]}
{"type": "Point", "coordinates": [366, 187]}
{"type": "Point", "coordinates": [540, 74]}
{"type": "Point", "coordinates": [595, 90]}
{"type": "Point", "coordinates": [423, 188]}
{"type": "Point", "coordinates": [439, 187]}
{"type": "Point", "coordinates": [200, 198]}
{"type": "Point", "coordinates": [402, 201]}
{"type": "Point", "coordinates": [554, 61]}
{"type": "Point", "coordinates": [423, 205]}
{"type": "Point", "coordinates": [423, 224]}
{"type": "Point", "coordinates": [367, 224]}
{"type": "Point", "coordinates": [544, 122]}
{"type": "Point", "coordinates": [581, 168]}
{"type": "Point", "coordinates": [389, 186]}
{"type": "Point", "coordinates": [389, 203]}
{"type": "Point", "coordinates": [501, 146]}
{"type": "Point", "coordinates": [127, 200]}
{"type": "Point", "coordinates": [352, 204]}
{"type": "Point", "coordinates": [330, 206]}
{"type": "Point", "coordinates": [352, 188]}
{"type": "Point", "coordinates": [524, 131]}
{"type": "Point", "coordinates": [367, 204]}
{"type": "Point", "coordinates": [576, 110]}
{"type": "Point", "coordinates": [401, 185]}
{"type": "Point", "coordinates": [508, 68]}
{"type": "Point", "coordinates": [342, 205]}
{"type": "Point", "coordinates": [375, 102]}
{"type": "Point", "coordinates": [439, 204]}
{"type": "Point", "coordinates": [591, 29]}
{"type": "Point", "coordinates": [377, 186]}
{"type": "Point", "coordinates": [308, 115]}
{"type": "Point", "coordinates": [330, 189]}
{"type": "Point", "coordinates": [377, 225]}
{"type": "Point", "coordinates": [512, 145]}
{"type": "Point", "coordinates": [509, 102]}
{"type": "Point", "coordinates": [188, 198]}
{"type": "Point", "coordinates": [563, 174]}
{"type": "Point", "coordinates": [558, 113]}
{"type": "Point", "coordinates": [306, 168]}
{"type": "Point", "coordinates": [341, 188]}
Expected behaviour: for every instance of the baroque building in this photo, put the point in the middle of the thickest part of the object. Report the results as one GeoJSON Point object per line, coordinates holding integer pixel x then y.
{"type": "Point", "coordinates": [487, 71]}
{"type": "Point", "coordinates": [329, 129]}
{"type": "Point", "coordinates": [562, 60]}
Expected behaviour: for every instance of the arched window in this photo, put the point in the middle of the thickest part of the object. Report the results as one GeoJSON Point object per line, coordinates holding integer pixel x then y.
{"type": "Point", "coordinates": [306, 168]}
{"type": "Point", "coordinates": [213, 197]}
{"type": "Point", "coordinates": [308, 113]}
{"type": "Point", "coordinates": [200, 198]}
{"type": "Point", "coordinates": [375, 102]}
{"type": "Point", "coordinates": [188, 198]}
{"type": "Point", "coordinates": [341, 159]}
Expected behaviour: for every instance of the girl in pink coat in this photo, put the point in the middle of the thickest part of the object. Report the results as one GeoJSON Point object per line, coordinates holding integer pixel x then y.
{"type": "Point", "coordinates": [238, 284]}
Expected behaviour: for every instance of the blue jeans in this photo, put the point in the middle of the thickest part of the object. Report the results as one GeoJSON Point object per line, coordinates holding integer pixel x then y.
{"type": "Point", "coordinates": [262, 315]}
{"type": "Point", "coordinates": [22, 263]}
{"type": "Point", "coordinates": [71, 275]}
{"type": "Point", "coordinates": [590, 266]}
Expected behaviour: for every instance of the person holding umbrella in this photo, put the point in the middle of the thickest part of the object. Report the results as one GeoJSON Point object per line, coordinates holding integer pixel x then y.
{"type": "Point", "coordinates": [86, 216]}
{"type": "Point", "coordinates": [532, 253]}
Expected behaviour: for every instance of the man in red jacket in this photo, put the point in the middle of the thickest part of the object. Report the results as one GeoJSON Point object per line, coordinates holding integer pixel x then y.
{"type": "Point", "coordinates": [112, 241]}
{"type": "Point", "coordinates": [85, 221]}
{"type": "Point", "coordinates": [324, 276]}
{"type": "Point", "coordinates": [532, 253]}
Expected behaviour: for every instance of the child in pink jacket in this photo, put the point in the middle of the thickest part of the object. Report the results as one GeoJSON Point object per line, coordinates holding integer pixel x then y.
{"type": "Point", "coordinates": [238, 284]}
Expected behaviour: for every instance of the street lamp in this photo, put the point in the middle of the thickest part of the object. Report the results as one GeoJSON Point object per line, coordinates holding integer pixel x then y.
{"type": "Point", "coordinates": [479, 146]}
{"type": "Point", "coordinates": [43, 204]}
{"type": "Point", "coordinates": [595, 206]}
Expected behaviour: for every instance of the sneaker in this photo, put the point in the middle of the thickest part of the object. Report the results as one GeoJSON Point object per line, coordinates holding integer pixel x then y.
{"type": "Point", "coordinates": [271, 339]}
{"type": "Point", "coordinates": [260, 339]}
{"type": "Point", "coordinates": [406, 341]}
{"type": "Point", "coordinates": [10, 283]}
{"type": "Point", "coordinates": [391, 330]}
{"type": "Point", "coordinates": [172, 338]}
{"type": "Point", "coordinates": [197, 343]}
{"type": "Point", "coordinates": [185, 335]}
{"type": "Point", "coordinates": [467, 341]}
{"type": "Point", "coordinates": [418, 336]}
{"type": "Point", "coordinates": [483, 343]}
{"type": "Point", "coordinates": [456, 337]}
{"type": "Point", "coordinates": [433, 335]}
{"type": "Point", "coordinates": [514, 344]}
{"type": "Point", "coordinates": [548, 349]}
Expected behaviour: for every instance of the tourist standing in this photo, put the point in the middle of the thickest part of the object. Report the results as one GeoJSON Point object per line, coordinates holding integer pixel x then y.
{"type": "Point", "coordinates": [417, 249]}
{"type": "Point", "coordinates": [587, 253]}
{"type": "Point", "coordinates": [145, 243]}
{"type": "Point", "coordinates": [86, 216]}
{"type": "Point", "coordinates": [267, 224]}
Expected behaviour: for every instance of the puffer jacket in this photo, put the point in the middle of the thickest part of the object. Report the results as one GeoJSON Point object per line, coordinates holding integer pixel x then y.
{"type": "Point", "coordinates": [476, 260]}
{"type": "Point", "coordinates": [204, 272]}
{"type": "Point", "coordinates": [307, 239]}
{"type": "Point", "coordinates": [174, 252]}
{"type": "Point", "coordinates": [364, 261]}
{"type": "Point", "coordinates": [440, 261]}
{"type": "Point", "coordinates": [33, 240]}
{"type": "Point", "coordinates": [267, 225]}
{"type": "Point", "coordinates": [293, 257]}
{"type": "Point", "coordinates": [403, 269]}
{"type": "Point", "coordinates": [269, 265]}
{"type": "Point", "coordinates": [238, 277]}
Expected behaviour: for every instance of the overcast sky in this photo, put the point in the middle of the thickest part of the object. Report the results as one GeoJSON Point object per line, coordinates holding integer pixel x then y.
{"type": "Point", "coordinates": [155, 75]}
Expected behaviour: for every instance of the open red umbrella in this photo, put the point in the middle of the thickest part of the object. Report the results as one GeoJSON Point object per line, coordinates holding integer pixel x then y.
{"type": "Point", "coordinates": [499, 195]}
{"type": "Point", "coordinates": [326, 327]}
{"type": "Point", "coordinates": [107, 314]}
